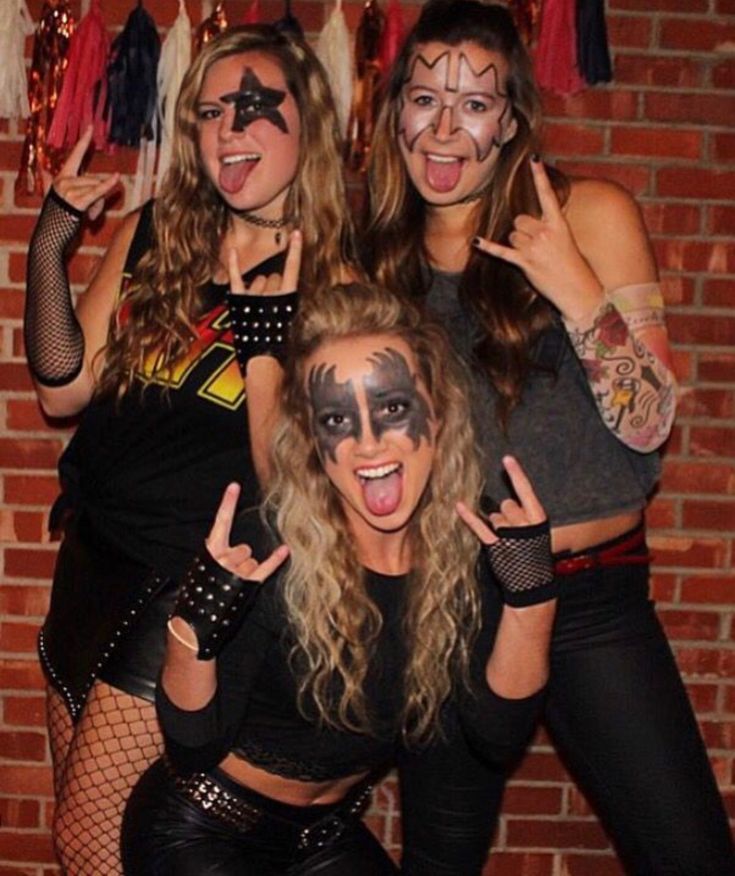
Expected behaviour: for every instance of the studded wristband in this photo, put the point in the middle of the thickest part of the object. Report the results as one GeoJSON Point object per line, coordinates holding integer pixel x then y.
{"type": "Point", "coordinates": [522, 563]}
{"type": "Point", "coordinates": [260, 325]}
{"type": "Point", "coordinates": [213, 602]}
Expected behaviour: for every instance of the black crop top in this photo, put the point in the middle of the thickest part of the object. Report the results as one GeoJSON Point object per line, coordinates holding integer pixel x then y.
{"type": "Point", "coordinates": [254, 711]}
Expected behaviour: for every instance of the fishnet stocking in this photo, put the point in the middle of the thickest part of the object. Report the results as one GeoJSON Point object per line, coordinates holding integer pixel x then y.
{"type": "Point", "coordinates": [116, 739]}
{"type": "Point", "coordinates": [53, 338]}
{"type": "Point", "coordinates": [60, 734]}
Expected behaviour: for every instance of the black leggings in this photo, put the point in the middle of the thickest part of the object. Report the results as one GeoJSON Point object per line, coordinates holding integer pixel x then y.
{"type": "Point", "coordinates": [620, 717]}
{"type": "Point", "coordinates": [165, 833]}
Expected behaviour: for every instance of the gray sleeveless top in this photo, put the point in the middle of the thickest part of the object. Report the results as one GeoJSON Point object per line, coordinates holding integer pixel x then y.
{"type": "Point", "coordinates": [579, 469]}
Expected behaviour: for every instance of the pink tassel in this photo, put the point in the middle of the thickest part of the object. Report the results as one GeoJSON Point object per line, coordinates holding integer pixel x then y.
{"type": "Point", "coordinates": [84, 91]}
{"type": "Point", "coordinates": [392, 38]}
{"type": "Point", "coordinates": [252, 16]}
{"type": "Point", "coordinates": [556, 64]}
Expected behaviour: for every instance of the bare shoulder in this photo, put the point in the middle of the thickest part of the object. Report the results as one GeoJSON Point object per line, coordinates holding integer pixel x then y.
{"type": "Point", "coordinates": [608, 227]}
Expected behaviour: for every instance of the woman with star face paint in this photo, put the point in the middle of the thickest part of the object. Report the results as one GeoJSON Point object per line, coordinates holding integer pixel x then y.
{"type": "Point", "coordinates": [549, 290]}
{"type": "Point", "coordinates": [177, 378]}
{"type": "Point", "coordinates": [295, 674]}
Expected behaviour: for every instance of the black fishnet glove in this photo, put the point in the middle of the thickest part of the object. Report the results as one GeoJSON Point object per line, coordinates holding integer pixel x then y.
{"type": "Point", "coordinates": [521, 561]}
{"type": "Point", "coordinates": [53, 337]}
{"type": "Point", "coordinates": [213, 602]}
{"type": "Point", "coordinates": [260, 325]}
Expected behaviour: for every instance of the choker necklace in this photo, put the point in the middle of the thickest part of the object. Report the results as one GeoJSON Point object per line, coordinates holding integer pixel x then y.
{"type": "Point", "coordinates": [276, 224]}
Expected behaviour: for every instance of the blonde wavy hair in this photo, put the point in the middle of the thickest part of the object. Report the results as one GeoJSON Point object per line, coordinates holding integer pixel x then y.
{"type": "Point", "coordinates": [190, 218]}
{"type": "Point", "coordinates": [332, 617]}
{"type": "Point", "coordinates": [508, 308]}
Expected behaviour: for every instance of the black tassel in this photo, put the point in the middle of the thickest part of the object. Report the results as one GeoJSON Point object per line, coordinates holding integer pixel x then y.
{"type": "Point", "coordinates": [131, 80]}
{"type": "Point", "coordinates": [593, 54]}
{"type": "Point", "coordinates": [289, 23]}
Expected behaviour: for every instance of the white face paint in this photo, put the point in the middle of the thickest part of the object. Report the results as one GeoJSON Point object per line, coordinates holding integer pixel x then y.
{"type": "Point", "coordinates": [455, 115]}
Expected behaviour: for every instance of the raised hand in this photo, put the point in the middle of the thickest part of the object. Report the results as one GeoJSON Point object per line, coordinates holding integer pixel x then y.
{"type": "Point", "coordinates": [545, 250]}
{"type": "Point", "coordinates": [273, 284]}
{"type": "Point", "coordinates": [518, 542]}
{"type": "Point", "coordinates": [221, 586]}
{"type": "Point", "coordinates": [83, 192]}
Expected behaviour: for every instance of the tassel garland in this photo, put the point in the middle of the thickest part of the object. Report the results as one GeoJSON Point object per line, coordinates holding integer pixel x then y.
{"type": "Point", "coordinates": [365, 84]}
{"type": "Point", "coordinates": [592, 48]}
{"type": "Point", "coordinates": [174, 62]}
{"type": "Point", "coordinates": [15, 25]}
{"type": "Point", "coordinates": [333, 50]}
{"type": "Point", "coordinates": [289, 23]}
{"type": "Point", "coordinates": [556, 54]}
{"type": "Point", "coordinates": [392, 37]}
{"type": "Point", "coordinates": [212, 24]}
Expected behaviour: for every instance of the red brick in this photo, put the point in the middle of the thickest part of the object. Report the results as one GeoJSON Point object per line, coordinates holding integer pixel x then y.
{"type": "Point", "coordinates": [24, 711]}
{"type": "Point", "coordinates": [22, 526]}
{"type": "Point", "coordinates": [11, 303]}
{"type": "Point", "coordinates": [663, 586]}
{"type": "Point", "coordinates": [519, 864]}
{"type": "Point", "coordinates": [658, 5]}
{"type": "Point", "coordinates": [706, 661]}
{"type": "Point", "coordinates": [721, 220]}
{"type": "Point", "coordinates": [701, 329]}
{"type": "Point", "coordinates": [15, 376]}
{"type": "Point", "coordinates": [686, 551]}
{"type": "Point", "coordinates": [717, 367]}
{"type": "Point", "coordinates": [541, 767]}
{"type": "Point", "coordinates": [723, 74]}
{"type": "Point", "coordinates": [556, 834]}
{"type": "Point", "coordinates": [708, 589]}
{"type": "Point", "coordinates": [695, 35]}
{"type": "Point", "coordinates": [656, 141]}
{"type": "Point", "coordinates": [689, 108]}
{"type": "Point", "coordinates": [701, 514]}
{"type": "Point", "coordinates": [667, 71]}
{"type": "Point", "coordinates": [26, 453]}
{"type": "Point", "coordinates": [23, 746]}
{"type": "Point", "coordinates": [565, 139]}
{"type": "Point", "coordinates": [661, 513]}
{"type": "Point", "coordinates": [703, 697]}
{"type": "Point", "coordinates": [23, 600]}
{"type": "Point", "coordinates": [629, 32]}
{"type": "Point", "coordinates": [685, 476]}
{"type": "Point", "coordinates": [681, 625]}
{"type": "Point", "coordinates": [692, 255]}
{"type": "Point", "coordinates": [684, 182]}
{"type": "Point", "coordinates": [18, 638]}
{"type": "Point", "coordinates": [725, 7]}
{"type": "Point", "coordinates": [19, 813]}
{"type": "Point", "coordinates": [532, 800]}
{"type": "Point", "coordinates": [718, 734]}
{"type": "Point", "coordinates": [574, 864]}
{"type": "Point", "coordinates": [20, 675]}
{"type": "Point", "coordinates": [25, 847]}
{"type": "Point", "coordinates": [696, 402]}
{"type": "Point", "coordinates": [26, 415]}
{"type": "Point", "coordinates": [21, 563]}
{"type": "Point", "coordinates": [30, 489]}
{"type": "Point", "coordinates": [593, 104]}
{"type": "Point", "coordinates": [718, 293]}
{"type": "Point", "coordinates": [711, 441]}
{"type": "Point", "coordinates": [722, 148]}
{"type": "Point", "coordinates": [677, 289]}
{"type": "Point", "coordinates": [634, 177]}
{"type": "Point", "coordinates": [672, 218]}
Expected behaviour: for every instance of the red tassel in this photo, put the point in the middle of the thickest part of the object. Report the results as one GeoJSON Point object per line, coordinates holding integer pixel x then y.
{"type": "Point", "coordinates": [85, 84]}
{"type": "Point", "coordinates": [556, 54]}
{"type": "Point", "coordinates": [393, 34]}
{"type": "Point", "coordinates": [525, 14]}
{"type": "Point", "coordinates": [212, 25]}
{"type": "Point", "coordinates": [365, 84]}
{"type": "Point", "coordinates": [252, 16]}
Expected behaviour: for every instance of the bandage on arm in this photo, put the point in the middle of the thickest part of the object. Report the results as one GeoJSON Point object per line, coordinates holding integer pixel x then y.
{"type": "Point", "coordinates": [53, 337]}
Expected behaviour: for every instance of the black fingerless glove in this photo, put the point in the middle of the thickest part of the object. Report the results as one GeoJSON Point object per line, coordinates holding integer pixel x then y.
{"type": "Point", "coordinates": [214, 602]}
{"type": "Point", "coordinates": [53, 337]}
{"type": "Point", "coordinates": [522, 563]}
{"type": "Point", "coordinates": [260, 325]}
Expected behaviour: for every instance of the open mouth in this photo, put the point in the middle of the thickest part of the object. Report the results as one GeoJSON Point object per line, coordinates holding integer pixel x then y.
{"type": "Point", "coordinates": [443, 171]}
{"type": "Point", "coordinates": [382, 487]}
{"type": "Point", "coordinates": [235, 169]}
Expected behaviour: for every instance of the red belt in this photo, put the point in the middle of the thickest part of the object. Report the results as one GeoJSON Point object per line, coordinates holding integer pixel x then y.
{"type": "Point", "coordinates": [618, 554]}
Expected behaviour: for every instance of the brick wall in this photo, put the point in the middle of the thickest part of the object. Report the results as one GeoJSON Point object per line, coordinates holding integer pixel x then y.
{"type": "Point", "coordinates": [664, 130]}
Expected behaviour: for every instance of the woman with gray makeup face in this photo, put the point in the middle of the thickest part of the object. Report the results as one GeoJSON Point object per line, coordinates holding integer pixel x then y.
{"type": "Point", "coordinates": [390, 616]}
{"type": "Point", "coordinates": [549, 289]}
{"type": "Point", "coordinates": [176, 378]}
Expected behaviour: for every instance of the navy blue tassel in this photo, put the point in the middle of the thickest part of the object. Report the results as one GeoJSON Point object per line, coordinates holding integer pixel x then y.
{"type": "Point", "coordinates": [131, 80]}
{"type": "Point", "coordinates": [593, 55]}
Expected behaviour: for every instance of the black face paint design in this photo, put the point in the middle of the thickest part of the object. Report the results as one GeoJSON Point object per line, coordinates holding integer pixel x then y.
{"type": "Point", "coordinates": [445, 85]}
{"type": "Point", "coordinates": [394, 401]}
{"type": "Point", "coordinates": [255, 101]}
{"type": "Point", "coordinates": [334, 410]}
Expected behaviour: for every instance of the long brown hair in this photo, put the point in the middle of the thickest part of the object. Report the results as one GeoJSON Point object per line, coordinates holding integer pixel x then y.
{"type": "Point", "coordinates": [190, 218]}
{"type": "Point", "coordinates": [508, 308]}
{"type": "Point", "coordinates": [334, 621]}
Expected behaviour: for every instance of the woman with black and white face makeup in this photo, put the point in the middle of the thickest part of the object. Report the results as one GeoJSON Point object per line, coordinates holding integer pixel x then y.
{"type": "Point", "coordinates": [549, 289]}
{"type": "Point", "coordinates": [373, 630]}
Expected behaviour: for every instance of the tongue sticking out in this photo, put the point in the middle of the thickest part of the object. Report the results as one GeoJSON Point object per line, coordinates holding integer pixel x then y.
{"type": "Point", "coordinates": [443, 176]}
{"type": "Point", "coordinates": [232, 176]}
{"type": "Point", "coordinates": [383, 495]}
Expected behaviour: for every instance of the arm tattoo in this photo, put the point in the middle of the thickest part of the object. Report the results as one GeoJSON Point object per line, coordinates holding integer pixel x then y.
{"type": "Point", "coordinates": [624, 352]}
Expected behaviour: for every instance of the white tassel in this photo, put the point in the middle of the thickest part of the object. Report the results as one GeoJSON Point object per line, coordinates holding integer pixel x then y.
{"type": "Point", "coordinates": [333, 50]}
{"type": "Point", "coordinates": [15, 24]}
{"type": "Point", "coordinates": [172, 65]}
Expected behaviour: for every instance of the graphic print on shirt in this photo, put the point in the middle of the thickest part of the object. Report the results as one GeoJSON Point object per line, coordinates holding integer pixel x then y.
{"type": "Point", "coordinates": [210, 364]}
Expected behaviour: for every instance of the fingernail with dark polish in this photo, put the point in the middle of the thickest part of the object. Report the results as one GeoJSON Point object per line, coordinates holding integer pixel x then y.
{"type": "Point", "coordinates": [535, 158]}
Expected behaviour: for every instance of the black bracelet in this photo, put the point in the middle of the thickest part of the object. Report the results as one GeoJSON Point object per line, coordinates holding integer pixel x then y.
{"type": "Point", "coordinates": [522, 563]}
{"type": "Point", "coordinates": [213, 602]}
{"type": "Point", "coordinates": [260, 325]}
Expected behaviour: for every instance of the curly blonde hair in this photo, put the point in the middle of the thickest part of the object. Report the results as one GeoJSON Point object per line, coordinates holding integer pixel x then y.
{"type": "Point", "coordinates": [190, 218]}
{"type": "Point", "coordinates": [508, 308]}
{"type": "Point", "coordinates": [334, 621]}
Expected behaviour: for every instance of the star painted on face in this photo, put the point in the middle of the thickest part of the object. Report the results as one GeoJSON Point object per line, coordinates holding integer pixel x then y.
{"type": "Point", "coordinates": [255, 101]}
